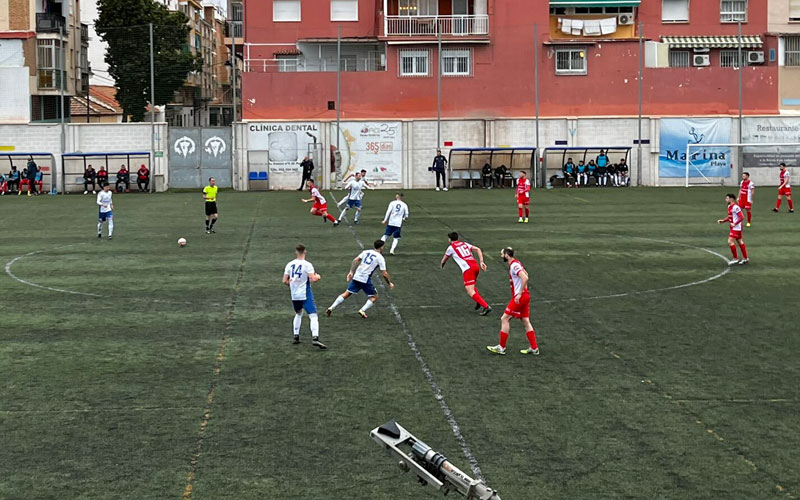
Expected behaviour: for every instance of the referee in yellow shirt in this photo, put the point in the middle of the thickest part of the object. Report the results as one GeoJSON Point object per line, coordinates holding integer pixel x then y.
{"type": "Point", "coordinates": [212, 214]}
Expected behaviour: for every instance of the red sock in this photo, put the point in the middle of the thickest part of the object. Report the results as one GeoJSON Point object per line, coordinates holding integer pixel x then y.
{"type": "Point", "coordinates": [503, 339]}
{"type": "Point", "coordinates": [520, 211]}
{"type": "Point", "coordinates": [532, 339]}
{"type": "Point", "coordinates": [778, 204]}
{"type": "Point", "coordinates": [744, 249]}
{"type": "Point", "coordinates": [791, 205]}
{"type": "Point", "coordinates": [733, 251]}
{"type": "Point", "coordinates": [477, 298]}
{"type": "Point", "coordinates": [527, 211]}
{"type": "Point", "coordinates": [749, 216]}
{"type": "Point", "coordinates": [330, 217]}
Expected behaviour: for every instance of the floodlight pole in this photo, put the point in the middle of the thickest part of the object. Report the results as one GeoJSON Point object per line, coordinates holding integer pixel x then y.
{"type": "Point", "coordinates": [337, 171]}
{"type": "Point", "coordinates": [62, 73]}
{"type": "Point", "coordinates": [739, 154]}
{"type": "Point", "coordinates": [439, 87]}
{"type": "Point", "coordinates": [538, 164]}
{"type": "Point", "coordinates": [639, 150]}
{"type": "Point", "coordinates": [152, 115]}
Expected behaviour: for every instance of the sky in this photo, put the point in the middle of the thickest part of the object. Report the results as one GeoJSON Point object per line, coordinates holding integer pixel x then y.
{"type": "Point", "coordinates": [97, 48]}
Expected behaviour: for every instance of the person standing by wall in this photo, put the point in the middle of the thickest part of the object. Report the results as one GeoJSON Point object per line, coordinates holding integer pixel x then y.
{"type": "Point", "coordinates": [439, 166]}
{"type": "Point", "coordinates": [308, 166]}
{"type": "Point", "coordinates": [33, 169]}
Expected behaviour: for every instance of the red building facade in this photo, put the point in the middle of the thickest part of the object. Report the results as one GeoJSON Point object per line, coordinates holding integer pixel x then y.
{"type": "Point", "coordinates": [588, 58]}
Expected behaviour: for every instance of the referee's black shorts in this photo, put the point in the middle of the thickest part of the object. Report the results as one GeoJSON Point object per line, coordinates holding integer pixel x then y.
{"type": "Point", "coordinates": [211, 208]}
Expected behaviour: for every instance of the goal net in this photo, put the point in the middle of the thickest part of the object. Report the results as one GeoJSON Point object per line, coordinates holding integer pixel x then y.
{"type": "Point", "coordinates": [714, 164]}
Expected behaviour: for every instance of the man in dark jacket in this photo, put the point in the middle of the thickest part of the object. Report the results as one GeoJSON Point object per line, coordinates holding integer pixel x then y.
{"type": "Point", "coordinates": [123, 177]}
{"type": "Point", "coordinates": [89, 176]}
{"type": "Point", "coordinates": [13, 179]}
{"type": "Point", "coordinates": [439, 166]}
{"type": "Point", "coordinates": [102, 177]}
{"type": "Point", "coordinates": [500, 174]}
{"type": "Point", "coordinates": [33, 169]}
{"type": "Point", "coordinates": [308, 167]}
{"type": "Point", "coordinates": [143, 178]}
{"type": "Point", "coordinates": [486, 174]}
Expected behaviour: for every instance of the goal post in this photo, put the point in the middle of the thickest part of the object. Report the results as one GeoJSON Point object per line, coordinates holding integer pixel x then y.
{"type": "Point", "coordinates": [692, 168]}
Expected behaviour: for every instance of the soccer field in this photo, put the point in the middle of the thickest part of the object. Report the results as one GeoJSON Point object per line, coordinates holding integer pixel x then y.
{"type": "Point", "coordinates": [133, 368]}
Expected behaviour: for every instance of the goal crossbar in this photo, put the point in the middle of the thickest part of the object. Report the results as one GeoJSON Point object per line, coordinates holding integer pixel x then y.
{"type": "Point", "coordinates": [729, 144]}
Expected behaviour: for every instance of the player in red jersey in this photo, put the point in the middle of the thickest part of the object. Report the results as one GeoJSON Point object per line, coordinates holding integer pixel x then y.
{"type": "Point", "coordinates": [320, 205]}
{"type": "Point", "coordinates": [523, 195]}
{"type": "Point", "coordinates": [746, 189]}
{"type": "Point", "coordinates": [461, 252]}
{"type": "Point", "coordinates": [519, 306]}
{"type": "Point", "coordinates": [784, 189]}
{"type": "Point", "coordinates": [735, 218]}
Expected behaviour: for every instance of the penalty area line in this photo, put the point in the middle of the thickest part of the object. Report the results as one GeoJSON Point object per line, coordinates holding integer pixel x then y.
{"type": "Point", "coordinates": [437, 391]}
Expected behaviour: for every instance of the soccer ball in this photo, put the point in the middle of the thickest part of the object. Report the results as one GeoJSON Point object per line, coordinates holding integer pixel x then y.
{"type": "Point", "coordinates": [181, 242]}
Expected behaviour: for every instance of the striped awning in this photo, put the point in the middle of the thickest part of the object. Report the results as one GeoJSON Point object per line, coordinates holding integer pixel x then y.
{"type": "Point", "coordinates": [712, 42]}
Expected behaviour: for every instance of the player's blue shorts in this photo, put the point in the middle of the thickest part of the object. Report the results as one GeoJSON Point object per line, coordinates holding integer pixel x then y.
{"type": "Point", "coordinates": [103, 216]}
{"type": "Point", "coordinates": [356, 286]}
{"type": "Point", "coordinates": [353, 203]}
{"type": "Point", "coordinates": [392, 231]}
{"type": "Point", "coordinates": [308, 304]}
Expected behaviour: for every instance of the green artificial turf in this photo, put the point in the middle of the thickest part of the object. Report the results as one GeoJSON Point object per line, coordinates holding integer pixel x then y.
{"type": "Point", "coordinates": [643, 389]}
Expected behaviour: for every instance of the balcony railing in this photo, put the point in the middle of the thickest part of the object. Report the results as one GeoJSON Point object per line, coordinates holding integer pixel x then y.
{"type": "Point", "coordinates": [49, 23]}
{"type": "Point", "coordinates": [50, 78]}
{"type": "Point", "coordinates": [234, 29]}
{"type": "Point", "coordinates": [301, 65]}
{"type": "Point", "coordinates": [433, 25]}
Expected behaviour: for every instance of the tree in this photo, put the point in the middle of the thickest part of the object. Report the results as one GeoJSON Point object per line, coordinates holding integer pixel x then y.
{"type": "Point", "coordinates": [124, 25]}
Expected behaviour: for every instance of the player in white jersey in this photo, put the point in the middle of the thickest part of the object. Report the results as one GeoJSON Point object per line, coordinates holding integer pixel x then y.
{"type": "Point", "coordinates": [298, 276]}
{"type": "Point", "coordinates": [106, 213]}
{"type": "Point", "coordinates": [461, 253]}
{"type": "Point", "coordinates": [360, 278]}
{"type": "Point", "coordinates": [355, 193]}
{"type": "Point", "coordinates": [363, 174]}
{"type": "Point", "coordinates": [396, 214]}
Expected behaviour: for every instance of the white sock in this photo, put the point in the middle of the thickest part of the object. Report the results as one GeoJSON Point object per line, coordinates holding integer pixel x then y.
{"type": "Point", "coordinates": [298, 320]}
{"type": "Point", "coordinates": [341, 215]}
{"type": "Point", "coordinates": [110, 227]}
{"type": "Point", "coordinates": [367, 305]}
{"type": "Point", "coordinates": [358, 212]}
{"type": "Point", "coordinates": [383, 238]}
{"type": "Point", "coordinates": [314, 325]}
{"type": "Point", "coordinates": [395, 241]}
{"type": "Point", "coordinates": [336, 302]}
{"type": "Point", "coordinates": [99, 227]}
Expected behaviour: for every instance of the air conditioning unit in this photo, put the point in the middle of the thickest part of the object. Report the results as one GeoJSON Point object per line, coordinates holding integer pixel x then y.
{"type": "Point", "coordinates": [755, 57]}
{"type": "Point", "coordinates": [701, 60]}
{"type": "Point", "coordinates": [625, 19]}
{"type": "Point", "coordinates": [701, 50]}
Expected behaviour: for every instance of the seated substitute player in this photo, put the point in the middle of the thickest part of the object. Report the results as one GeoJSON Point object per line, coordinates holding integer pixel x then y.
{"type": "Point", "coordinates": [396, 213]}
{"type": "Point", "coordinates": [518, 307]}
{"type": "Point", "coordinates": [212, 213]}
{"type": "Point", "coordinates": [523, 196]}
{"type": "Point", "coordinates": [320, 205]}
{"type": "Point", "coordinates": [784, 189]}
{"type": "Point", "coordinates": [298, 276]}
{"type": "Point", "coordinates": [106, 213]}
{"type": "Point", "coordinates": [355, 193]}
{"type": "Point", "coordinates": [461, 252]}
{"type": "Point", "coordinates": [746, 190]}
{"type": "Point", "coordinates": [735, 218]}
{"type": "Point", "coordinates": [360, 278]}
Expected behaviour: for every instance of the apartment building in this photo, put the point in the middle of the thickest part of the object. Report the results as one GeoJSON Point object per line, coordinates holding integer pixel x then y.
{"type": "Point", "coordinates": [784, 23]}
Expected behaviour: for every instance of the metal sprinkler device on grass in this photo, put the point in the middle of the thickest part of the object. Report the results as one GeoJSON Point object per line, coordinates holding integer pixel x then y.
{"type": "Point", "coordinates": [431, 468]}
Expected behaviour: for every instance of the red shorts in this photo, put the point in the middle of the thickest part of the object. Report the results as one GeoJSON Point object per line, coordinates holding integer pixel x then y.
{"type": "Point", "coordinates": [521, 310]}
{"type": "Point", "coordinates": [743, 203]}
{"type": "Point", "coordinates": [471, 275]}
{"type": "Point", "coordinates": [736, 235]}
{"type": "Point", "coordinates": [524, 200]}
{"type": "Point", "coordinates": [785, 191]}
{"type": "Point", "coordinates": [319, 208]}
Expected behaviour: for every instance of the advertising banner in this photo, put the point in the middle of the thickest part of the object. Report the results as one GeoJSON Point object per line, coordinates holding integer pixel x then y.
{"type": "Point", "coordinates": [287, 143]}
{"type": "Point", "coordinates": [771, 130]}
{"type": "Point", "coordinates": [376, 147]}
{"type": "Point", "coordinates": [676, 133]}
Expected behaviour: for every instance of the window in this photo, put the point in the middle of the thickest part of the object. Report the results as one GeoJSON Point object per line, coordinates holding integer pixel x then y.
{"type": "Point", "coordinates": [456, 62]}
{"type": "Point", "coordinates": [730, 58]}
{"type": "Point", "coordinates": [344, 10]}
{"type": "Point", "coordinates": [419, 7]}
{"type": "Point", "coordinates": [792, 51]}
{"type": "Point", "coordinates": [675, 11]}
{"type": "Point", "coordinates": [287, 63]}
{"type": "Point", "coordinates": [414, 62]}
{"type": "Point", "coordinates": [733, 11]}
{"type": "Point", "coordinates": [49, 63]}
{"type": "Point", "coordinates": [571, 61]}
{"type": "Point", "coordinates": [794, 10]}
{"type": "Point", "coordinates": [679, 58]}
{"type": "Point", "coordinates": [285, 11]}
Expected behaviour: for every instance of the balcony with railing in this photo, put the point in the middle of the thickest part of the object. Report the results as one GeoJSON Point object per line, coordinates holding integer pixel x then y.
{"type": "Point", "coordinates": [431, 26]}
{"type": "Point", "coordinates": [49, 23]}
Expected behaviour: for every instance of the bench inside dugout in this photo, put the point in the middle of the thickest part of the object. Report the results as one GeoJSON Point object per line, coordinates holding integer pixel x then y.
{"type": "Point", "coordinates": [465, 166]}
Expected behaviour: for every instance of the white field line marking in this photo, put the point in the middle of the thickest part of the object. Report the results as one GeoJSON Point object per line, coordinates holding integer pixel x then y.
{"type": "Point", "coordinates": [626, 294]}
{"type": "Point", "coordinates": [30, 283]}
{"type": "Point", "coordinates": [437, 391]}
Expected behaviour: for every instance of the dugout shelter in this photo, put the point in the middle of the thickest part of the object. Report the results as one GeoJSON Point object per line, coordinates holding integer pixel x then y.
{"type": "Point", "coordinates": [554, 158]}
{"type": "Point", "coordinates": [45, 161]}
{"type": "Point", "coordinates": [465, 164]}
{"type": "Point", "coordinates": [74, 164]}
